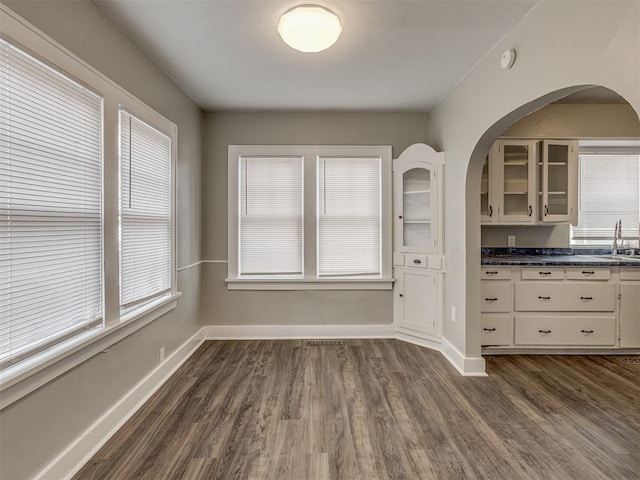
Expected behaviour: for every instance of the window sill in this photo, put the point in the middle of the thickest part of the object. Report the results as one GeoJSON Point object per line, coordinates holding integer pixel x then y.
{"type": "Point", "coordinates": [310, 284]}
{"type": "Point", "coordinates": [30, 374]}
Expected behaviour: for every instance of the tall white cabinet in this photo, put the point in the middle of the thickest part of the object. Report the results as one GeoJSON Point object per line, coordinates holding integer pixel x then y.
{"type": "Point", "coordinates": [418, 243]}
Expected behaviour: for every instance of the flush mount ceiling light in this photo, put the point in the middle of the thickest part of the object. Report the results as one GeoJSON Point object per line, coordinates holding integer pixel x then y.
{"type": "Point", "coordinates": [309, 28]}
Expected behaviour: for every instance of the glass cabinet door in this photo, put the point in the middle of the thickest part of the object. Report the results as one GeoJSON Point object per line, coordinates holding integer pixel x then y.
{"type": "Point", "coordinates": [518, 172]}
{"type": "Point", "coordinates": [416, 208]}
{"type": "Point", "coordinates": [555, 172]}
{"type": "Point", "coordinates": [486, 209]}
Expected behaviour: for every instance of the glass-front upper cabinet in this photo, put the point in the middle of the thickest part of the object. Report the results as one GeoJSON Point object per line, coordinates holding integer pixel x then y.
{"type": "Point", "coordinates": [558, 185]}
{"type": "Point", "coordinates": [416, 202]}
{"type": "Point", "coordinates": [416, 207]}
{"type": "Point", "coordinates": [516, 172]}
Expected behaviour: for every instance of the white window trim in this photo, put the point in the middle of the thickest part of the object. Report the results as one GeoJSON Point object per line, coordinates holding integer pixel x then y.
{"type": "Point", "coordinates": [310, 153]}
{"type": "Point", "coordinates": [603, 147]}
{"type": "Point", "coordinates": [24, 377]}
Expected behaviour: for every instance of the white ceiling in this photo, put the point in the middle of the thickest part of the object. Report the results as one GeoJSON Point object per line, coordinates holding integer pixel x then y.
{"type": "Point", "coordinates": [398, 55]}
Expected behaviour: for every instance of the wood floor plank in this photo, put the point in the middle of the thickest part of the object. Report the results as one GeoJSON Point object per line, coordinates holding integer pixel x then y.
{"type": "Point", "coordinates": [379, 409]}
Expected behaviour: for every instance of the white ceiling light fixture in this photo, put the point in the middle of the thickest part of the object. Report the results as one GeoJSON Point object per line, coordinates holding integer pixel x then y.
{"type": "Point", "coordinates": [309, 28]}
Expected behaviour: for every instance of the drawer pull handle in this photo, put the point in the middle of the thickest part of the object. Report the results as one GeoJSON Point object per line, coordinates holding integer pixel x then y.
{"type": "Point", "coordinates": [544, 331]}
{"type": "Point", "coordinates": [489, 329]}
{"type": "Point", "coordinates": [491, 299]}
{"type": "Point", "coordinates": [491, 272]}
{"type": "Point", "coordinates": [544, 298]}
{"type": "Point", "coordinates": [588, 272]}
{"type": "Point", "coordinates": [586, 298]}
{"type": "Point", "coordinates": [544, 273]}
{"type": "Point", "coordinates": [417, 260]}
{"type": "Point", "coordinates": [586, 331]}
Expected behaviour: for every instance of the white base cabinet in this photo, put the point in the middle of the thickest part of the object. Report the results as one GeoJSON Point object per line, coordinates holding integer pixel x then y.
{"type": "Point", "coordinates": [630, 307]}
{"type": "Point", "coordinates": [560, 307]}
{"type": "Point", "coordinates": [416, 302]}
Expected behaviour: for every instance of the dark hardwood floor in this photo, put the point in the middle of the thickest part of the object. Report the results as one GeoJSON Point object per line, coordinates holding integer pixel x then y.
{"type": "Point", "coordinates": [380, 409]}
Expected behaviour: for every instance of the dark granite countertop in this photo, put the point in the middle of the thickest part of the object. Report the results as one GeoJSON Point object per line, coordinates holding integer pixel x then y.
{"type": "Point", "coordinates": [556, 256]}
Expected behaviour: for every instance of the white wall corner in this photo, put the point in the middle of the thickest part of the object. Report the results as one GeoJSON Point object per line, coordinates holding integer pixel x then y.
{"type": "Point", "coordinates": [467, 366]}
{"type": "Point", "coordinates": [277, 332]}
{"type": "Point", "coordinates": [80, 451]}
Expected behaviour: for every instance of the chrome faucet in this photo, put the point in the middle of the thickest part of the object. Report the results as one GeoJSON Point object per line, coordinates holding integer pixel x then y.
{"type": "Point", "coordinates": [617, 235]}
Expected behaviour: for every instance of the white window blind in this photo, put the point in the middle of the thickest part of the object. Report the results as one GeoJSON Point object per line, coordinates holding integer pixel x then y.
{"type": "Point", "coordinates": [145, 212]}
{"type": "Point", "coordinates": [50, 206]}
{"type": "Point", "coordinates": [270, 219]}
{"type": "Point", "coordinates": [609, 189]}
{"type": "Point", "coordinates": [349, 216]}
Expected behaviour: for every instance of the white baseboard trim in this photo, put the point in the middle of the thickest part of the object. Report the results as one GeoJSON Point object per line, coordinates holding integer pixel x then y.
{"type": "Point", "coordinates": [467, 366]}
{"type": "Point", "coordinates": [417, 340]}
{"type": "Point", "coordinates": [280, 332]}
{"type": "Point", "coordinates": [73, 458]}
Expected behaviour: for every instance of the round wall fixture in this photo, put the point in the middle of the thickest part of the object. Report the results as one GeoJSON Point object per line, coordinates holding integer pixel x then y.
{"type": "Point", "coordinates": [309, 28]}
{"type": "Point", "coordinates": [508, 59]}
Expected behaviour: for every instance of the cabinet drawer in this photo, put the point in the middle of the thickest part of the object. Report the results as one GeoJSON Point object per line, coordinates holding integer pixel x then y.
{"type": "Point", "coordinates": [496, 296]}
{"type": "Point", "coordinates": [416, 260]}
{"type": "Point", "coordinates": [496, 273]}
{"type": "Point", "coordinates": [496, 330]}
{"type": "Point", "coordinates": [543, 273]}
{"type": "Point", "coordinates": [588, 273]}
{"type": "Point", "coordinates": [565, 331]}
{"type": "Point", "coordinates": [565, 297]}
{"type": "Point", "coordinates": [629, 273]}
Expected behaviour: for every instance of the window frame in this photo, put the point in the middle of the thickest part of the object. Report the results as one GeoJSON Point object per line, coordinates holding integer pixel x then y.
{"type": "Point", "coordinates": [310, 279]}
{"type": "Point", "coordinates": [601, 147]}
{"type": "Point", "coordinates": [24, 377]}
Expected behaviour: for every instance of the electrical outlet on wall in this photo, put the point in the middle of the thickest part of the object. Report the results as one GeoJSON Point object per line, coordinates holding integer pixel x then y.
{"type": "Point", "coordinates": [511, 240]}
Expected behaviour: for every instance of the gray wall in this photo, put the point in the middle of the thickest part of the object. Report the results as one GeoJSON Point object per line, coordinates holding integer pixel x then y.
{"type": "Point", "coordinates": [41, 425]}
{"type": "Point", "coordinates": [563, 120]}
{"type": "Point", "coordinates": [223, 307]}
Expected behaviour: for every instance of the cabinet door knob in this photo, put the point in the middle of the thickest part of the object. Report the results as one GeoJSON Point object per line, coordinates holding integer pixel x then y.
{"type": "Point", "coordinates": [544, 273]}
{"type": "Point", "coordinates": [586, 331]}
{"type": "Point", "coordinates": [489, 329]}
{"type": "Point", "coordinates": [400, 294]}
{"type": "Point", "coordinates": [544, 331]}
{"type": "Point", "coordinates": [491, 299]}
{"type": "Point", "coordinates": [546, 210]}
{"type": "Point", "coordinates": [416, 260]}
{"type": "Point", "coordinates": [591, 272]}
{"type": "Point", "coordinates": [586, 298]}
{"type": "Point", "coordinates": [399, 216]}
{"type": "Point", "coordinates": [530, 210]}
{"type": "Point", "coordinates": [490, 211]}
{"type": "Point", "coordinates": [544, 298]}
{"type": "Point", "coordinates": [491, 272]}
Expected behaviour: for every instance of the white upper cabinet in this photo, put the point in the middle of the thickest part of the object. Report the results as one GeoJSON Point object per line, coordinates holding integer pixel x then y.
{"type": "Point", "coordinates": [558, 189]}
{"type": "Point", "coordinates": [528, 181]}
{"type": "Point", "coordinates": [417, 177]}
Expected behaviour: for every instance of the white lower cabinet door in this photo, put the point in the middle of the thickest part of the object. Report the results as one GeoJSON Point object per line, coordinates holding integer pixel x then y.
{"type": "Point", "coordinates": [570, 331]}
{"type": "Point", "coordinates": [497, 330]}
{"type": "Point", "coordinates": [415, 304]}
{"type": "Point", "coordinates": [629, 315]}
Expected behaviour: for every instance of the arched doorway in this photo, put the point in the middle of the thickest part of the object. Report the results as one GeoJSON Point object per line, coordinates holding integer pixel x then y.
{"type": "Point", "coordinates": [472, 205]}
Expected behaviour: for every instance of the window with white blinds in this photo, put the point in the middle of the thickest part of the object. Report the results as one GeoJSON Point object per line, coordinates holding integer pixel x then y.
{"type": "Point", "coordinates": [309, 217]}
{"type": "Point", "coordinates": [50, 206]}
{"type": "Point", "coordinates": [270, 219]}
{"type": "Point", "coordinates": [349, 217]}
{"type": "Point", "coordinates": [609, 189]}
{"type": "Point", "coordinates": [145, 212]}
